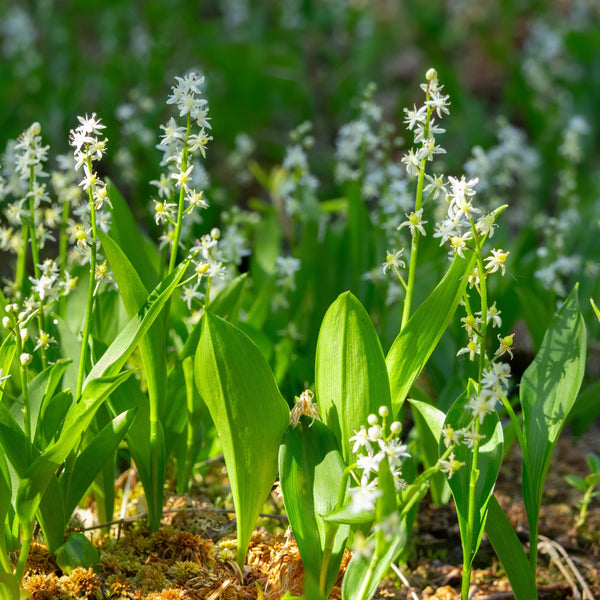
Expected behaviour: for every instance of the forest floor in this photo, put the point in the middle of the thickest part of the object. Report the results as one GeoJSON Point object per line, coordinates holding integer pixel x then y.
{"type": "Point", "coordinates": [193, 555]}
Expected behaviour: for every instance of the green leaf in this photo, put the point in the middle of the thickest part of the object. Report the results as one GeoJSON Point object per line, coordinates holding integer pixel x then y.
{"type": "Point", "coordinates": [577, 482]}
{"type": "Point", "coordinates": [7, 353]}
{"type": "Point", "coordinates": [415, 343]}
{"type": "Point", "coordinates": [362, 578]}
{"type": "Point", "coordinates": [510, 552]}
{"type": "Point", "coordinates": [311, 471]}
{"type": "Point", "coordinates": [488, 464]}
{"type": "Point", "coordinates": [429, 422]}
{"type": "Point", "coordinates": [226, 305]}
{"type": "Point", "coordinates": [548, 391]}
{"type": "Point", "coordinates": [140, 251]}
{"type": "Point", "coordinates": [39, 473]}
{"type": "Point", "coordinates": [125, 343]}
{"type": "Point", "coordinates": [42, 392]}
{"type": "Point", "coordinates": [91, 460]}
{"type": "Point", "coordinates": [9, 587]}
{"type": "Point", "coordinates": [350, 372]}
{"type": "Point", "coordinates": [77, 551]}
{"type": "Point", "coordinates": [249, 413]}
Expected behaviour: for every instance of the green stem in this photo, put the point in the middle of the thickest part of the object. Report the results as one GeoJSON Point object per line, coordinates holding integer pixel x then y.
{"type": "Point", "coordinates": [90, 297]}
{"type": "Point", "coordinates": [35, 254]}
{"type": "Point", "coordinates": [181, 204]}
{"type": "Point", "coordinates": [24, 389]}
{"type": "Point", "coordinates": [24, 552]}
{"type": "Point", "coordinates": [331, 531]}
{"type": "Point", "coordinates": [414, 249]}
{"type": "Point", "coordinates": [484, 300]}
{"type": "Point", "coordinates": [62, 253]}
{"type": "Point", "coordinates": [468, 540]}
{"type": "Point", "coordinates": [414, 245]}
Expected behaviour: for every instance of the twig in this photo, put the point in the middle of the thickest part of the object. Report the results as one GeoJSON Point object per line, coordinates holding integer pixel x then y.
{"type": "Point", "coordinates": [405, 581]}
{"type": "Point", "coordinates": [554, 549]}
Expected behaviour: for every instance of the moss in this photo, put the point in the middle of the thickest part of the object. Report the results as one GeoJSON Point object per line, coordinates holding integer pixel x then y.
{"type": "Point", "coordinates": [82, 584]}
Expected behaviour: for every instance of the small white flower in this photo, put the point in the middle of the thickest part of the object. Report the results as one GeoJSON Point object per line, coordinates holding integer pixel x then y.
{"type": "Point", "coordinates": [393, 260]}
{"type": "Point", "coordinates": [451, 465]}
{"type": "Point", "coordinates": [415, 223]}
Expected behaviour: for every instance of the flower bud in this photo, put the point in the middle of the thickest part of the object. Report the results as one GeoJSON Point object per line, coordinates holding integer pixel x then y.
{"type": "Point", "coordinates": [431, 74]}
{"type": "Point", "coordinates": [25, 358]}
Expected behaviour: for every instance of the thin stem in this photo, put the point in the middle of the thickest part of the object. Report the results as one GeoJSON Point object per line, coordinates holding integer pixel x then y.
{"type": "Point", "coordinates": [35, 254]}
{"type": "Point", "coordinates": [24, 552]}
{"type": "Point", "coordinates": [90, 298]}
{"type": "Point", "coordinates": [468, 540]}
{"type": "Point", "coordinates": [180, 206]}
{"type": "Point", "coordinates": [62, 253]}
{"type": "Point", "coordinates": [414, 245]}
{"type": "Point", "coordinates": [24, 388]}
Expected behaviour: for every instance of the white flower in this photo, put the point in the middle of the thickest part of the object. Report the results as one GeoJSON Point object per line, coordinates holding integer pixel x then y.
{"type": "Point", "coordinates": [496, 261]}
{"type": "Point", "coordinates": [364, 497]}
{"type": "Point", "coordinates": [360, 439]}
{"type": "Point", "coordinates": [393, 261]}
{"type": "Point", "coordinates": [451, 465]}
{"type": "Point", "coordinates": [415, 223]}
{"type": "Point", "coordinates": [90, 124]}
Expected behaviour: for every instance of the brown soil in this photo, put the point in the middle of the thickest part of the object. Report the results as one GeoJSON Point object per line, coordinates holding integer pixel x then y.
{"type": "Point", "coordinates": [193, 555]}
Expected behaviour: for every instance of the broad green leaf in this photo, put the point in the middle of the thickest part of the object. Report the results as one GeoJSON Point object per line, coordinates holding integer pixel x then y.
{"type": "Point", "coordinates": [44, 467]}
{"type": "Point", "coordinates": [362, 578]}
{"type": "Point", "coordinates": [42, 390]}
{"type": "Point", "coordinates": [52, 417]}
{"type": "Point", "coordinates": [510, 552]}
{"type": "Point", "coordinates": [125, 343]}
{"type": "Point", "coordinates": [134, 294]}
{"type": "Point", "coordinates": [91, 460]}
{"type": "Point", "coordinates": [415, 343]}
{"type": "Point", "coordinates": [51, 515]}
{"type": "Point", "coordinates": [488, 464]}
{"type": "Point", "coordinates": [153, 355]}
{"type": "Point", "coordinates": [129, 396]}
{"type": "Point", "coordinates": [350, 372]}
{"type": "Point", "coordinates": [311, 469]}
{"type": "Point", "coordinates": [7, 353]}
{"type": "Point", "coordinates": [226, 305]}
{"type": "Point", "coordinates": [77, 551]}
{"type": "Point", "coordinates": [9, 587]}
{"type": "Point", "coordinates": [5, 507]}
{"type": "Point", "coordinates": [429, 422]}
{"type": "Point", "coordinates": [548, 391]}
{"type": "Point", "coordinates": [140, 251]}
{"type": "Point", "coordinates": [17, 447]}
{"type": "Point", "coordinates": [249, 413]}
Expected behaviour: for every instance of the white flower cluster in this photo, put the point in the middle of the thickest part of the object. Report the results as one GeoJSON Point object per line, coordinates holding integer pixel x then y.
{"type": "Point", "coordinates": [31, 153]}
{"type": "Point", "coordinates": [492, 388]}
{"type": "Point", "coordinates": [210, 266]}
{"type": "Point", "coordinates": [422, 123]}
{"type": "Point", "coordinates": [179, 146]}
{"type": "Point", "coordinates": [286, 268]}
{"type": "Point", "coordinates": [373, 444]}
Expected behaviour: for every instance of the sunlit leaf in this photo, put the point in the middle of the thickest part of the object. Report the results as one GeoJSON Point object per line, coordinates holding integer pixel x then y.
{"type": "Point", "coordinates": [249, 413]}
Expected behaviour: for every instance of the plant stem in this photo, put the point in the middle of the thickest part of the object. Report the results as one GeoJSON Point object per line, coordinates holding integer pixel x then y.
{"type": "Point", "coordinates": [180, 206]}
{"type": "Point", "coordinates": [24, 552]}
{"type": "Point", "coordinates": [468, 540]}
{"type": "Point", "coordinates": [90, 298]}
{"type": "Point", "coordinates": [62, 254]}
